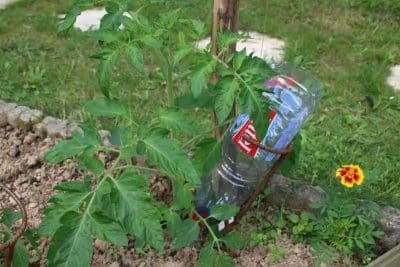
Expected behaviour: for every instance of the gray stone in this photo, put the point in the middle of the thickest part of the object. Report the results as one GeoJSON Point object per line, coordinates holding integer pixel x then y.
{"type": "Point", "coordinates": [14, 114]}
{"type": "Point", "coordinates": [390, 224]}
{"type": "Point", "coordinates": [72, 127]}
{"type": "Point", "coordinates": [29, 117]}
{"type": "Point", "coordinates": [52, 127]}
{"type": "Point", "coordinates": [3, 118]}
{"type": "Point", "coordinates": [100, 245]}
{"type": "Point", "coordinates": [104, 137]}
{"type": "Point", "coordinates": [14, 151]}
{"type": "Point", "coordinates": [294, 194]}
{"type": "Point", "coordinates": [7, 106]}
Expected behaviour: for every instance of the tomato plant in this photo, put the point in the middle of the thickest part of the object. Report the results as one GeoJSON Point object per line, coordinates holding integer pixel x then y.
{"type": "Point", "coordinates": [115, 199]}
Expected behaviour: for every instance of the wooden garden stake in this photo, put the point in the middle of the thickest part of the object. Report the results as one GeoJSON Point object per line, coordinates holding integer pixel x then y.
{"type": "Point", "coordinates": [225, 15]}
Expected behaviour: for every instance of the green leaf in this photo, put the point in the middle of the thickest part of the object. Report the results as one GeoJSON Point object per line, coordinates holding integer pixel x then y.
{"type": "Point", "coordinates": [207, 155]}
{"type": "Point", "coordinates": [104, 72]}
{"type": "Point", "coordinates": [225, 98]}
{"type": "Point", "coordinates": [60, 205]}
{"type": "Point", "coordinates": [108, 230]}
{"type": "Point", "coordinates": [92, 164]}
{"type": "Point", "coordinates": [207, 256]}
{"type": "Point", "coordinates": [65, 149]}
{"type": "Point", "coordinates": [10, 217]}
{"type": "Point", "coordinates": [128, 153]}
{"type": "Point", "coordinates": [135, 209]}
{"type": "Point", "coordinates": [200, 77]}
{"type": "Point", "coordinates": [359, 244]}
{"type": "Point", "coordinates": [234, 240]}
{"type": "Point", "coordinates": [188, 101]}
{"type": "Point", "coordinates": [198, 27]}
{"type": "Point", "coordinates": [226, 38]}
{"type": "Point", "coordinates": [72, 243]}
{"type": "Point", "coordinates": [21, 255]}
{"type": "Point", "coordinates": [105, 35]}
{"type": "Point", "coordinates": [188, 233]}
{"type": "Point", "coordinates": [72, 14]}
{"type": "Point", "coordinates": [177, 120]}
{"type": "Point", "coordinates": [72, 186]}
{"type": "Point", "coordinates": [238, 59]}
{"type": "Point", "coordinates": [170, 158]}
{"type": "Point", "coordinates": [181, 54]}
{"type": "Point", "coordinates": [224, 261]}
{"type": "Point", "coordinates": [151, 41]}
{"type": "Point", "coordinates": [183, 197]}
{"type": "Point", "coordinates": [135, 56]}
{"type": "Point", "coordinates": [223, 212]}
{"type": "Point", "coordinates": [105, 107]}
{"type": "Point", "coordinates": [294, 218]}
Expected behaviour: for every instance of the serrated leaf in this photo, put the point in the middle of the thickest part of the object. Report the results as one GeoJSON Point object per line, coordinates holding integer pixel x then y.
{"type": "Point", "coordinates": [207, 155]}
{"type": "Point", "coordinates": [198, 27]}
{"type": "Point", "coordinates": [59, 205]}
{"type": "Point", "coordinates": [135, 56]}
{"type": "Point", "coordinates": [225, 98]}
{"type": "Point", "coordinates": [359, 244]}
{"type": "Point", "coordinates": [70, 18]}
{"type": "Point", "coordinates": [108, 230]}
{"type": "Point", "coordinates": [223, 212]}
{"type": "Point", "coordinates": [238, 59]}
{"type": "Point", "coordinates": [135, 210]}
{"type": "Point", "coordinates": [92, 164]}
{"type": "Point", "coordinates": [21, 255]}
{"type": "Point", "coordinates": [224, 261]}
{"type": "Point", "coordinates": [183, 197]}
{"type": "Point", "coordinates": [32, 236]}
{"type": "Point", "coordinates": [128, 153]}
{"type": "Point", "coordinates": [121, 136]}
{"type": "Point", "coordinates": [207, 256]}
{"type": "Point", "coordinates": [104, 72]}
{"type": "Point", "coordinates": [71, 245]}
{"type": "Point", "coordinates": [177, 120]}
{"type": "Point", "coordinates": [65, 149]}
{"type": "Point", "coordinates": [105, 107]}
{"type": "Point", "coordinates": [181, 53]}
{"type": "Point", "coordinates": [188, 233]}
{"type": "Point", "coordinates": [72, 186]}
{"type": "Point", "coordinates": [173, 222]}
{"type": "Point", "coordinates": [10, 217]}
{"type": "Point", "coordinates": [200, 77]}
{"type": "Point", "coordinates": [234, 240]}
{"type": "Point", "coordinates": [151, 41]}
{"type": "Point", "coordinates": [170, 158]}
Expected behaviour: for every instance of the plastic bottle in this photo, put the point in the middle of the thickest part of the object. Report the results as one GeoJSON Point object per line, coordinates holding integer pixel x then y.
{"type": "Point", "coordinates": [243, 164]}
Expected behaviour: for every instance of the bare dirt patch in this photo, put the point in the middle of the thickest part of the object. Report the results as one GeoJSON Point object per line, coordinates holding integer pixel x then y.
{"type": "Point", "coordinates": [22, 169]}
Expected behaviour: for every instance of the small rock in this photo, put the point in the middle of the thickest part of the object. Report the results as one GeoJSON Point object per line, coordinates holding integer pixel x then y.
{"type": "Point", "coordinates": [390, 224]}
{"type": "Point", "coordinates": [32, 161]}
{"type": "Point", "coordinates": [100, 245]}
{"type": "Point", "coordinates": [114, 264]}
{"type": "Point", "coordinates": [294, 194]}
{"type": "Point", "coordinates": [29, 117]}
{"type": "Point", "coordinates": [14, 151]}
{"type": "Point", "coordinates": [32, 205]}
{"type": "Point", "coordinates": [52, 127]}
{"type": "Point", "coordinates": [29, 138]}
{"type": "Point", "coordinates": [3, 118]}
{"type": "Point", "coordinates": [12, 201]}
{"type": "Point", "coordinates": [14, 114]}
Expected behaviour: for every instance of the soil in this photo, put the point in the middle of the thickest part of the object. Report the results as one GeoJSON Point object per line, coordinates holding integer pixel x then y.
{"type": "Point", "coordinates": [22, 169]}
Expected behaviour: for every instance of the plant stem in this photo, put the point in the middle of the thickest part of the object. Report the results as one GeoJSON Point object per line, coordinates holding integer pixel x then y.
{"type": "Point", "coordinates": [170, 89]}
{"type": "Point", "coordinates": [210, 230]}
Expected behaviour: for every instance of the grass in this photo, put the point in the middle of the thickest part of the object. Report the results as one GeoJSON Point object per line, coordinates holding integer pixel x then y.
{"type": "Point", "coordinates": [349, 45]}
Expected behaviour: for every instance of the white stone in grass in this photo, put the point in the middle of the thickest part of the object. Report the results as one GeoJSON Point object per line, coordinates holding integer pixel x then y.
{"type": "Point", "coordinates": [88, 19]}
{"type": "Point", "coordinates": [263, 46]}
{"type": "Point", "coordinates": [5, 3]}
{"type": "Point", "coordinates": [394, 78]}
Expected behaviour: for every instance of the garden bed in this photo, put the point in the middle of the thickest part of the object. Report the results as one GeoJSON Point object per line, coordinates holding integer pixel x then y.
{"type": "Point", "coordinates": [23, 170]}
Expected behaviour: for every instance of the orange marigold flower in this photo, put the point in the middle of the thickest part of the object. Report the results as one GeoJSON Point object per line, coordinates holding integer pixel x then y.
{"type": "Point", "coordinates": [350, 175]}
